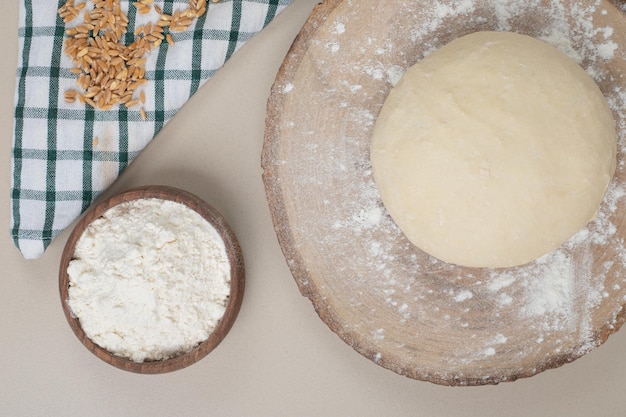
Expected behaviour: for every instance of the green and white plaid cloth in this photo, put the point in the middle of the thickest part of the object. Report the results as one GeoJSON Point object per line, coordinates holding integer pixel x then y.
{"type": "Point", "coordinates": [58, 167]}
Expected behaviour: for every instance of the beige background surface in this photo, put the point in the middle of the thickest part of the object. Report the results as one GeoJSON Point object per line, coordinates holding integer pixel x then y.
{"type": "Point", "coordinates": [279, 359]}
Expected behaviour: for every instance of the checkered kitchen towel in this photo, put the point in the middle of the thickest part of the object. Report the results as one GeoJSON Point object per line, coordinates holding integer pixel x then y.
{"type": "Point", "coordinates": [65, 154]}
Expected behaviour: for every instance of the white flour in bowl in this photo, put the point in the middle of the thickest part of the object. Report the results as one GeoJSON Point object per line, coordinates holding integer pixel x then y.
{"type": "Point", "coordinates": [150, 279]}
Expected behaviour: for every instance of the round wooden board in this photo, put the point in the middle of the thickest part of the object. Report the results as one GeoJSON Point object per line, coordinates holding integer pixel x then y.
{"type": "Point", "coordinates": [397, 306]}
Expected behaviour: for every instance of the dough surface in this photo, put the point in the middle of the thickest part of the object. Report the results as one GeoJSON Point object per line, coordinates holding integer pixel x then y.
{"type": "Point", "coordinates": [493, 150]}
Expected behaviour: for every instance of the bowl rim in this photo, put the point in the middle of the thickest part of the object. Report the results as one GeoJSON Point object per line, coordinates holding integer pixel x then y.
{"type": "Point", "coordinates": [237, 277]}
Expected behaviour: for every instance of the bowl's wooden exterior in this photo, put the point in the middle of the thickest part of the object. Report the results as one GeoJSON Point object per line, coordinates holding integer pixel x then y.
{"type": "Point", "coordinates": [389, 301]}
{"type": "Point", "coordinates": [237, 283]}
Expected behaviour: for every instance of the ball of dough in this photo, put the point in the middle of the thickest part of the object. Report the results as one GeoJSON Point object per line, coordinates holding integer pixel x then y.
{"type": "Point", "coordinates": [493, 150]}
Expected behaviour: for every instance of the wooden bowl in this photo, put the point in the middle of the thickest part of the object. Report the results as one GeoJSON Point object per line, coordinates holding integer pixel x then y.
{"type": "Point", "coordinates": [236, 284]}
{"type": "Point", "coordinates": [394, 304]}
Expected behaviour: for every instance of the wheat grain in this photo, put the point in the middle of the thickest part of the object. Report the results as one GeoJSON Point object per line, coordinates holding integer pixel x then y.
{"type": "Point", "coordinates": [70, 96]}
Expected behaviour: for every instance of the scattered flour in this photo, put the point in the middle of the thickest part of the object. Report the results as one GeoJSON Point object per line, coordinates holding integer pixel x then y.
{"type": "Point", "coordinates": [489, 351]}
{"type": "Point", "coordinates": [463, 295]}
{"type": "Point", "coordinates": [288, 88]}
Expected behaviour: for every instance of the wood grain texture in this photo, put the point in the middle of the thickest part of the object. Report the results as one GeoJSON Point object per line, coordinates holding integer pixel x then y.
{"type": "Point", "coordinates": [391, 302]}
{"type": "Point", "coordinates": [237, 284]}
